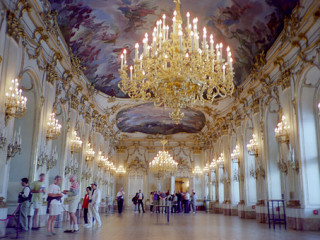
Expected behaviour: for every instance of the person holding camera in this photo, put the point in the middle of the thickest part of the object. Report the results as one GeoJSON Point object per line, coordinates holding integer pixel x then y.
{"type": "Point", "coordinates": [24, 199]}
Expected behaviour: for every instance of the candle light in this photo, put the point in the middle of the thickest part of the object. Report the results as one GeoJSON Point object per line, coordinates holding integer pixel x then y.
{"type": "Point", "coordinates": [125, 56]}
{"type": "Point", "coordinates": [164, 20]}
{"type": "Point", "coordinates": [141, 57]}
{"type": "Point", "coordinates": [224, 71]}
{"type": "Point", "coordinates": [231, 67]}
{"type": "Point", "coordinates": [211, 44]}
{"type": "Point", "coordinates": [192, 40]}
{"type": "Point", "coordinates": [131, 73]}
{"type": "Point", "coordinates": [188, 18]}
{"type": "Point", "coordinates": [136, 51]}
{"type": "Point", "coordinates": [121, 61]}
{"type": "Point", "coordinates": [174, 24]}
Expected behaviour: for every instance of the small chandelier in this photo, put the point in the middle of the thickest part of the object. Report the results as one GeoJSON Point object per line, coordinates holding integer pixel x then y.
{"type": "Point", "coordinates": [252, 146]}
{"type": "Point", "coordinates": [163, 163]}
{"type": "Point", "coordinates": [109, 166]}
{"type": "Point", "coordinates": [54, 128]}
{"type": "Point", "coordinates": [76, 142]}
{"type": "Point", "coordinates": [197, 171]}
{"type": "Point", "coordinates": [89, 153]}
{"type": "Point", "coordinates": [282, 131]}
{"type": "Point", "coordinates": [102, 160]}
{"type": "Point", "coordinates": [175, 69]}
{"type": "Point", "coordinates": [235, 154]}
{"type": "Point", "coordinates": [206, 168]}
{"type": "Point", "coordinates": [16, 104]}
{"type": "Point", "coordinates": [120, 170]}
{"type": "Point", "coordinates": [213, 164]}
{"type": "Point", "coordinates": [220, 161]}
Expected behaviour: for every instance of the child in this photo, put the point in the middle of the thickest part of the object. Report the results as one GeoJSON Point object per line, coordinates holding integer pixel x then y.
{"type": "Point", "coordinates": [85, 205]}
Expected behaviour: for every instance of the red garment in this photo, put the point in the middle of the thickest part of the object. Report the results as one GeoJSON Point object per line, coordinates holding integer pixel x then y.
{"type": "Point", "coordinates": [85, 203]}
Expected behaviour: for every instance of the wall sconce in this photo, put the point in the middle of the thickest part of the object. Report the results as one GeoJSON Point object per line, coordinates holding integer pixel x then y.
{"type": "Point", "coordinates": [76, 142]}
{"type": "Point", "coordinates": [16, 104]}
{"type": "Point", "coordinates": [220, 161]}
{"type": "Point", "coordinates": [252, 146]}
{"type": "Point", "coordinates": [89, 153]}
{"type": "Point", "coordinates": [102, 160]}
{"type": "Point", "coordinates": [54, 128]}
{"type": "Point", "coordinates": [71, 166]}
{"type": "Point", "coordinates": [235, 154]}
{"type": "Point", "coordinates": [87, 172]}
{"type": "Point", "coordinates": [3, 138]}
{"type": "Point", "coordinates": [53, 160]}
{"type": "Point", "coordinates": [42, 159]}
{"type": "Point", "coordinates": [15, 146]}
{"type": "Point", "coordinates": [259, 171]}
{"type": "Point", "coordinates": [282, 131]}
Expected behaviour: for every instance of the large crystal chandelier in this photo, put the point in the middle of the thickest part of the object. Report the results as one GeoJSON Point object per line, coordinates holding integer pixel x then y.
{"type": "Point", "coordinates": [176, 70]}
{"type": "Point", "coordinates": [54, 128]}
{"type": "Point", "coordinates": [120, 170]}
{"type": "Point", "coordinates": [16, 104]}
{"type": "Point", "coordinates": [220, 160]}
{"type": "Point", "coordinates": [163, 163]}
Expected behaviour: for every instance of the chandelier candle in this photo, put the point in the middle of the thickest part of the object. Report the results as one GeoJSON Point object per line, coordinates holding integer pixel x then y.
{"type": "Point", "coordinates": [175, 70]}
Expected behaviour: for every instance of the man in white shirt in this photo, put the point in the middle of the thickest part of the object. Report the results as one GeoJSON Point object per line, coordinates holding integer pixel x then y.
{"type": "Point", "coordinates": [140, 201]}
{"type": "Point", "coordinates": [94, 202]}
{"type": "Point", "coordinates": [120, 198]}
{"type": "Point", "coordinates": [24, 199]}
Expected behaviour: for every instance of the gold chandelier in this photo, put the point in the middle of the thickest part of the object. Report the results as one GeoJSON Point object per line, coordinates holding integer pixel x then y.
{"type": "Point", "coordinates": [235, 154]}
{"type": "Point", "coordinates": [282, 131]}
{"type": "Point", "coordinates": [76, 142]}
{"type": "Point", "coordinates": [54, 128]}
{"type": "Point", "coordinates": [90, 153]}
{"type": "Point", "coordinates": [16, 104]}
{"type": "Point", "coordinates": [176, 70]}
{"type": "Point", "coordinates": [197, 171]}
{"type": "Point", "coordinates": [163, 163]}
{"type": "Point", "coordinates": [253, 145]}
{"type": "Point", "coordinates": [206, 168]}
{"type": "Point", "coordinates": [220, 160]}
{"type": "Point", "coordinates": [120, 170]}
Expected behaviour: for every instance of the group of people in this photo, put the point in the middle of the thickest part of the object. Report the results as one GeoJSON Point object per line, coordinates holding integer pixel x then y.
{"type": "Point", "coordinates": [161, 201]}
{"type": "Point", "coordinates": [32, 196]}
{"type": "Point", "coordinates": [177, 202]}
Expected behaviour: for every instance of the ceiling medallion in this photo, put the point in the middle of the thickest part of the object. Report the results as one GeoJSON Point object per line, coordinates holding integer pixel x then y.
{"type": "Point", "coordinates": [176, 70]}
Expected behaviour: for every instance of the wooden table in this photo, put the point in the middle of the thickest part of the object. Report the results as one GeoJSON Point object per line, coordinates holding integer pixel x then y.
{"type": "Point", "coordinates": [166, 207]}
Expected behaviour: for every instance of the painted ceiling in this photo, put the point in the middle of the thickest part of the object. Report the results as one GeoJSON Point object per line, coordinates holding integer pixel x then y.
{"type": "Point", "coordinates": [98, 30]}
{"type": "Point", "coordinates": [139, 119]}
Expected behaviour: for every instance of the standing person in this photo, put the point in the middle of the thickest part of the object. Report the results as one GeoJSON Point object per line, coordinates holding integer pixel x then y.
{"type": "Point", "coordinates": [85, 205]}
{"type": "Point", "coordinates": [174, 208]}
{"type": "Point", "coordinates": [169, 202]}
{"type": "Point", "coordinates": [38, 191]}
{"type": "Point", "coordinates": [54, 204]}
{"type": "Point", "coordinates": [187, 201]}
{"type": "Point", "coordinates": [156, 201]}
{"type": "Point", "coordinates": [151, 201]}
{"type": "Point", "coordinates": [94, 204]}
{"type": "Point", "coordinates": [73, 200]}
{"type": "Point", "coordinates": [24, 199]}
{"type": "Point", "coordinates": [120, 198]}
{"type": "Point", "coordinates": [179, 199]}
{"type": "Point", "coordinates": [163, 197]}
{"type": "Point", "coordinates": [135, 202]}
{"type": "Point", "coordinates": [194, 202]}
{"type": "Point", "coordinates": [140, 201]}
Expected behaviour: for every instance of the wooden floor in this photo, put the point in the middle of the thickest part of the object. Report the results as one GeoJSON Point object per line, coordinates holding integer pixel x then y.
{"type": "Point", "coordinates": [131, 226]}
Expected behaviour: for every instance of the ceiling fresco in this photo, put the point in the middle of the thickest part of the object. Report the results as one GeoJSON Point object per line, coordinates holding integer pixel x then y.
{"type": "Point", "coordinates": [147, 119]}
{"type": "Point", "coordinates": [97, 30]}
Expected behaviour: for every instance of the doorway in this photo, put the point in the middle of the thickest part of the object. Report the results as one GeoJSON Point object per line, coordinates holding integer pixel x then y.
{"type": "Point", "coordinates": [182, 184]}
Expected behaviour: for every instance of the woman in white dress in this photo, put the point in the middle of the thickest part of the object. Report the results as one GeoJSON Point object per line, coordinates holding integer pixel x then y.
{"type": "Point", "coordinates": [54, 204]}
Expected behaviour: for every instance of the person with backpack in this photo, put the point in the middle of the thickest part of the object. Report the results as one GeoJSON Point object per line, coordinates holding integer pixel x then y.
{"type": "Point", "coordinates": [24, 199]}
{"type": "Point", "coordinates": [135, 202]}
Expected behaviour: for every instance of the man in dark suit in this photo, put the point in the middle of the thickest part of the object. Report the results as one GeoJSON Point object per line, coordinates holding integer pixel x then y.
{"type": "Point", "coordinates": [140, 201]}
